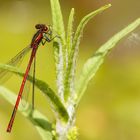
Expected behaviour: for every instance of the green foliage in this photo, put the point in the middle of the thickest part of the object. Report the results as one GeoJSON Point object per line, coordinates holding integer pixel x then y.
{"type": "Point", "coordinates": [92, 65]}
{"type": "Point", "coordinates": [56, 103]}
{"type": "Point", "coordinates": [66, 49]}
{"type": "Point", "coordinates": [39, 121]}
{"type": "Point", "coordinates": [75, 47]}
{"type": "Point", "coordinates": [68, 78]}
{"type": "Point", "coordinates": [70, 31]}
{"type": "Point", "coordinates": [59, 45]}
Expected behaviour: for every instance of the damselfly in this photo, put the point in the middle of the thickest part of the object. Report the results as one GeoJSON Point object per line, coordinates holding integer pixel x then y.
{"type": "Point", "coordinates": [43, 35]}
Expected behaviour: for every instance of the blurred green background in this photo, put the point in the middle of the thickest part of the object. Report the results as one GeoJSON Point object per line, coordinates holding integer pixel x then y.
{"type": "Point", "coordinates": [110, 108]}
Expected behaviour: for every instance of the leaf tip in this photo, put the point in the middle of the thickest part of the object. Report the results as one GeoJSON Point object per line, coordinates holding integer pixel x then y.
{"type": "Point", "coordinates": [107, 6]}
{"type": "Point", "coordinates": [72, 9]}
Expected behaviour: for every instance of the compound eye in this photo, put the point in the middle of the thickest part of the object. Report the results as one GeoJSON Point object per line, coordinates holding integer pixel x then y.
{"type": "Point", "coordinates": [45, 28]}
{"type": "Point", "coordinates": [37, 26]}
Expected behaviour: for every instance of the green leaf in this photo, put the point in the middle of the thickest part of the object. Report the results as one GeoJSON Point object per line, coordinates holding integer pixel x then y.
{"type": "Point", "coordinates": [70, 30]}
{"type": "Point", "coordinates": [56, 104]}
{"type": "Point", "coordinates": [58, 24]}
{"type": "Point", "coordinates": [76, 41]}
{"type": "Point", "coordinates": [68, 78]}
{"type": "Point", "coordinates": [82, 24]}
{"type": "Point", "coordinates": [92, 64]}
{"type": "Point", "coordinates": [59, 45]}
{"type": "Point", "coordinates": [39, 121]}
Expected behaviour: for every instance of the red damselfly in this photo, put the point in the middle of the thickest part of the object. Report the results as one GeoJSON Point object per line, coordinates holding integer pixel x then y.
{"type": "Point", "coordinates": [43, 35]}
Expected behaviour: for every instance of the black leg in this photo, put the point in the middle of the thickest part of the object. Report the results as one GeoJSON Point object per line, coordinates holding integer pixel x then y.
{"type": "Point", "coordinates": [55, 37]}
{"type": "Point", "coordinates": [48, 38]}
{"type": "Point", "coordinates": [43, 43]}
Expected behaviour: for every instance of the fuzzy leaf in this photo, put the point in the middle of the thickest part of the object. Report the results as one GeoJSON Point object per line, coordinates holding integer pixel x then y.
{"type": "Point", "coordinates": [56, 103]}
{"type": "Point", "coordinates": [92, 64]}
{"type": "Point", "coordinates": [58, 24]}
{"type": "Point", "coordinates": [39, 121]}
{"type": "Point", "coordinates": [70, 30]}
{"type": "Point", "coordinates": [69, 46]}
{"type": "Point", "coordinates": [59, 45]}
{"type": "Point", "coordinates": [75, 47]}
{"type": "Point", "coordinates": [82, 24]}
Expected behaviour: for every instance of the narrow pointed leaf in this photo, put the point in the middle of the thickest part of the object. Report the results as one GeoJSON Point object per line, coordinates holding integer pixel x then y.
{"type": "Point", "coordinates": [80, 28]}
{"type": "Point", "coordinates": [70, 30]}
{"type": "Point", "coordinates": [56, 103]}
{"type": "Point", "coordinates": [93, 64]}
{"type": "Point", "coordinates": [68, 78]}
{"type": "Point", "coordinates": [82, 24]}
{"type": "Point", "coordinates": [59, 45]}
{"type": "Point", "coordinates": [76, 41]}
{"type": "Point", "coordinates": [39, 121]}
{"type": "Point", "coordinates": [58, 24]}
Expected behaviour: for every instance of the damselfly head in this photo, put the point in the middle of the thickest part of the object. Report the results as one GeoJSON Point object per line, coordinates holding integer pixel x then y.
{"type": "Point", "coordinates": [41, 26]}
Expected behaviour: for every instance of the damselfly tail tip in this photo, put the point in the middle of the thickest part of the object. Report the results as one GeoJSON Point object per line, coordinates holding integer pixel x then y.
{"type": "Point", "coordinates": [8, 129]}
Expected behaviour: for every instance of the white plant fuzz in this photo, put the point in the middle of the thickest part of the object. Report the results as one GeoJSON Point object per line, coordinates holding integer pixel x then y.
{"type": "Point", "coordinates": [60, 75]}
